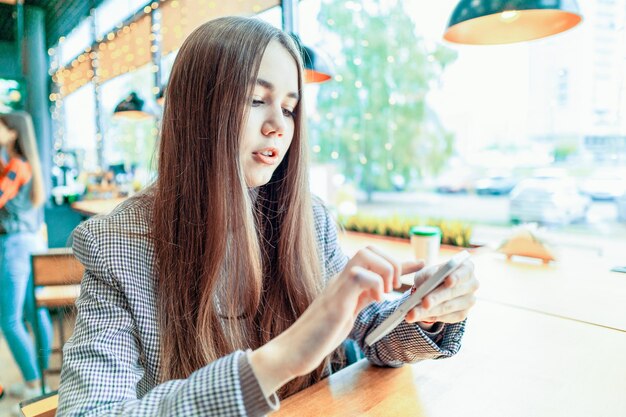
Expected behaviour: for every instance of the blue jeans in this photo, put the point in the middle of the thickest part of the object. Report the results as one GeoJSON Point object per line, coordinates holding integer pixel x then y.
{"type": "Point", "coordinates": [17, 304]}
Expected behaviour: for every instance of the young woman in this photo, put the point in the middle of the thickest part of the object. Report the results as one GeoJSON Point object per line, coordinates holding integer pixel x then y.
{"type": "Point", "coordinates": [21, 193]}
{"type": "Point", "coordinates": [223, 283]}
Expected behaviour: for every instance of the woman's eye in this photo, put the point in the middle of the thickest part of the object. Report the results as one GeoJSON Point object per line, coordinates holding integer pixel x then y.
{"type": "Point", "coordinates": [288, 113]}
{"type": "Point", "coordinates": [256, 102]}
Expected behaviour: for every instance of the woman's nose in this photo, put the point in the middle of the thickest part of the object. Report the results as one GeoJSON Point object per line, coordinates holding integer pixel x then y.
{"type": "Point", "coordinates": [274, 125]}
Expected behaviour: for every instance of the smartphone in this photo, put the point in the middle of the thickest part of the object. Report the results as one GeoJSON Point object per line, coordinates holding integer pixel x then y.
{"type": "Point", "coordinates": [415, 299]}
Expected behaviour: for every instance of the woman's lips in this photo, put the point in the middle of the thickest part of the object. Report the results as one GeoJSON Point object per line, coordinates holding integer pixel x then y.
{"type": "Point", "coordinates": [265, 159]}
{"type": "Point", "coordinates": [268, 156]}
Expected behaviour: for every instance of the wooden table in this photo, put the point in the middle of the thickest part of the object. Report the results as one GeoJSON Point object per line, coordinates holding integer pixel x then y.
{"type": "Point", "coordinates": [542, 340]}
{"type": "Point", "coordinates": [88, 208]}
{"type": "Point", "coordinates": [513, 362]}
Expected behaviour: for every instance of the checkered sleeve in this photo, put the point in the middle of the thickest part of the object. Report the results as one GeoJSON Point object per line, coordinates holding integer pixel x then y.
{"type": "Point", "coordinates": [102, 361]}
{"type": "Point", "coordinates": [408, 342]}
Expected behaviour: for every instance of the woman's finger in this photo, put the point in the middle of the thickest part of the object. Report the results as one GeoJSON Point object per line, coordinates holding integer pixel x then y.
{"type": "Point", "coordinates": [462, 274]}
{"type": "Point", "coordinates": [423, 275]}
{"type": "Point", "coordinates": [371, 260]}
{"type": "Point", "coordinates": [364, 281]}
{"type": "Point", "coordinates": [411, 267]}
{"type": "Point", "coordinates": [443, 294]}
{"type": "Point", "coordinates": [399, 268]}
{"type": "Point", "coordinates": [452, 318]}
{"type": "Point", "coordinates": [418, 314]}
{"type": "Point", "coordinates": [438, 313]}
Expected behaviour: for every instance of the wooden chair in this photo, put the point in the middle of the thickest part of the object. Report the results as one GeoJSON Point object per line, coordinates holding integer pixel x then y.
{"type": "Point", "coordinates": [56, 284]}
{"type": "Point", "coordinates": [44, 406]}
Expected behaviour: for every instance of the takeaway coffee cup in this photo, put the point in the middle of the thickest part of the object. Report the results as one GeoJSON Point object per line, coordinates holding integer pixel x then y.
{"type": "Point", "coordinates": [425, 241]}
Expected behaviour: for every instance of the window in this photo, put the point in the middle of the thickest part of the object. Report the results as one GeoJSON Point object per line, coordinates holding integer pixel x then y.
{"type": "Point", "coordinates": [130, 142]}
{"type": "Point", "coordinates": [76, 42]}
{"type": "Point", "coordinates": [112, 12]}
{"type": "Point", "coordinates": [80, 126]}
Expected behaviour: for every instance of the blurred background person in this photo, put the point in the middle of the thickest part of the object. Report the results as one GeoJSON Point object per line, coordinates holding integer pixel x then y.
{"type": "Point", "coordinates": [21, 195]}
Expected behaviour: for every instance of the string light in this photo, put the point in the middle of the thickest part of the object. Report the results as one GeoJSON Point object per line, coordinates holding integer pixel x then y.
{"type": "Point", "coordinates": [334, 154]}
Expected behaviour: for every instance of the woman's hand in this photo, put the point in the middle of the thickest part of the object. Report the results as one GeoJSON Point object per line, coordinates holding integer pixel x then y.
{"type": "Point", "coordinates": [448, 303]}
{"type": "Point", "coordinates": [329, 319]}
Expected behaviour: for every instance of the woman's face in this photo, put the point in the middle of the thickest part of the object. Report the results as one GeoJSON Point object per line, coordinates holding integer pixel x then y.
{"type": "Point", "coordinates": [7, 136]}
{"type": "Point", "coordinates": [269, 128]}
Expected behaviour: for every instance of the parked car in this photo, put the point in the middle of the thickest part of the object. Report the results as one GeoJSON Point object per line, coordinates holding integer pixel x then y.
{"type": "Point", "coordinates": [454, 181]}
{"type": "Point", "coordinates": [495, 185]}
{"type": "Point", "coordinates": [605, 185]}
{"type": "Point", "coordinates": [547, 201]}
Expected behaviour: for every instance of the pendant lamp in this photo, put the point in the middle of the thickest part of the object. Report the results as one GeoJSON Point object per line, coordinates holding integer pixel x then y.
{"type": "Point", "coordinates": [317, 68]}
{"type": "Point", "coordinates": [491, 22]}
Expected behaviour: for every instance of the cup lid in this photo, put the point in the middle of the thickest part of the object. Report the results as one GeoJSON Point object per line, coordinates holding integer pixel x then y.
{"type": "Point", "coordinates": [425, 231]}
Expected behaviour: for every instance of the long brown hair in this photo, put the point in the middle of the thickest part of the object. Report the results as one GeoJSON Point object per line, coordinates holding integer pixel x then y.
{"type": "Point", "coordinates": [26, 147]}
{"type": "Point", "coordinates": [235, 268]}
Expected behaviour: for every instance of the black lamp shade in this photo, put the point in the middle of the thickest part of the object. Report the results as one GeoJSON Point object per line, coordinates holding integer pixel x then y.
{"type": "Point", "coordinates": [490, 22]}
{"type": "Point", "coordinates": [132, 107]}
{"type": "Point", "coordinates": [317, 69]}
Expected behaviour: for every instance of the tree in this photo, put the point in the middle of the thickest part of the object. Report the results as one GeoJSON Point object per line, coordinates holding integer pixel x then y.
{"type": "Point", "coordinates": [373, 118]}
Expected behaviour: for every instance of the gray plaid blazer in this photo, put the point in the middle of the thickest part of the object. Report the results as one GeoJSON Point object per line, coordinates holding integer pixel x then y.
{"type": "Point", "coordinates": [111, 362]}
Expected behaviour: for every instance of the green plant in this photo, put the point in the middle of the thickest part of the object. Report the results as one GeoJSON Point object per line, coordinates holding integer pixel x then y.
{"type": "Point", "coordinates": [453, 232]}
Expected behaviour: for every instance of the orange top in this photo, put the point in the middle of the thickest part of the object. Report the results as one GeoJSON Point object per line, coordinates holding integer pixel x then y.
{"type": "Point", "coordinates": [15, 174]}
